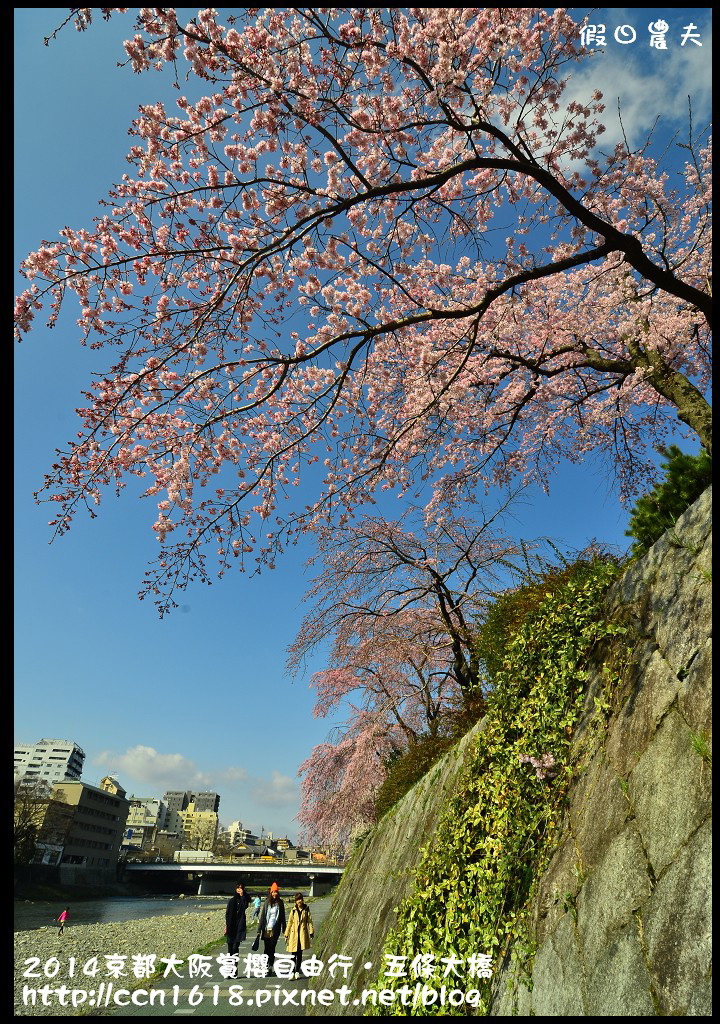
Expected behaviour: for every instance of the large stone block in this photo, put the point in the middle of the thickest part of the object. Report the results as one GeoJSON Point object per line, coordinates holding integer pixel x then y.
{"type": "Point", "coordinates": [654, 688]}
{"type": "Point", "coordinates": [598, 811]}
{"type": "Point", "coordinates": [695, 698]}
{"type": "Point", "coordinates": [618, 983]}
{"type": "Point", "coordinates": [613, 892]}
{"type": "Point", "coordinates": [558, 976]}
{"type": "Point", "coordinates": [512, 997]}
{"type": "Point", "coordinates": [668, 588]}
{"type": "Point", "coordinates": [677, 929]}
{"type": "Point", "coordinates": [669, 791]}
{"type": "Point", "coordinates": [680, 587]}
{"type": "Point", "coordinates": [558, 888]}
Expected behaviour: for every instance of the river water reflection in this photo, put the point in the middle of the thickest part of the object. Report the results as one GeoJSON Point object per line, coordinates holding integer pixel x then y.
{"type": "Point", "coordinates": [31, 914]}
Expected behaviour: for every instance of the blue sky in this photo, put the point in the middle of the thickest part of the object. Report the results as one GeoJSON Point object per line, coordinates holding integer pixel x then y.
{"type": "Point", "coordinates": [200, 698]}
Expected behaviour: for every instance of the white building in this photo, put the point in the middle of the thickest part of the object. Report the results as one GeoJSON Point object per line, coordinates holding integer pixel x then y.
{"type": "Point", "coordinates": [145, 817]}
{"type": "Point", "coordinates": [146, 810]}
{"type": "Point", "coordinates": [49, 760]}
{"type": "Point", "coordinates": [238, 835]}
{"type": "Point", "coordinates": [234, 832]}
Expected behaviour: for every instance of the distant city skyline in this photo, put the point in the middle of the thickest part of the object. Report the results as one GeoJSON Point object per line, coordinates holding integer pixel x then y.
{"type": "Point", "coordinates": [58, 759]}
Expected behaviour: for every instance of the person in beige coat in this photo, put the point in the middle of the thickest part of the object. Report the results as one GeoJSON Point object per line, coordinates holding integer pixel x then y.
{"type": "Point", "coordinates": [299, 931]}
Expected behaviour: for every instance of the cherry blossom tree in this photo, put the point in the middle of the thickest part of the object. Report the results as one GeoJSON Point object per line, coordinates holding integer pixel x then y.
{"type": "Point", "coordinates": [373, 572]}
{"type": "Point", "coordinates": [393, 673]}
{"type": "Point", "coordinates": [402, 667]}
{"type": "Point", "coordinates": [383, 251]}
{"type": "Point", "coordinates": [398, 609]}
{"type": "Point", "coordinates": [339, 785]}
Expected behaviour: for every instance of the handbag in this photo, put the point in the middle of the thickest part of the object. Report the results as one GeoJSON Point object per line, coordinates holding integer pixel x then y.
{"type": "Point", "coordinates": [256, 944]}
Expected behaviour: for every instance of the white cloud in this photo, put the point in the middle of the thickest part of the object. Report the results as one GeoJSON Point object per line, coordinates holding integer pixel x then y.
{"type": "Point", "coordinates": [160, 772]}
{"type": "Point", "coordinates": [277, 791]}
{"type": "Point", "coordinates": [646, 82]}
{"type": "Point", "coordinates": [256, 801]}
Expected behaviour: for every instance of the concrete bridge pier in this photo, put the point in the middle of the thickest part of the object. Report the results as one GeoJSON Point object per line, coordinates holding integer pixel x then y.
{"type": "Point", "coordinates": [318, 888]}
{"type": "Point", "coordinates": [211, 886]}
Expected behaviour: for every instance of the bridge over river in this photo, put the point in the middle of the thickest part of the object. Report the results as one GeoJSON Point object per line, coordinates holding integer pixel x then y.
{"type": "Point", "coordinates": [205, 879]}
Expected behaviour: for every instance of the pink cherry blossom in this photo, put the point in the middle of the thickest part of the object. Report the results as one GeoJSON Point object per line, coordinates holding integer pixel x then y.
{"type": "Point", "coordinates": [302, 266]}
{"type": "Point", "coordinates": [397, 609]}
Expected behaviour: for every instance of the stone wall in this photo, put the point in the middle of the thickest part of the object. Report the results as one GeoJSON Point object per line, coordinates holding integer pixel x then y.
{"type": "Point", "coordinates": [621, 920]}
{"type": "Point", "coordinates": [379, 875]}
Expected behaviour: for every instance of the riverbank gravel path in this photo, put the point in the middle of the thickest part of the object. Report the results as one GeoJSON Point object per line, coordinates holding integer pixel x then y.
{"type": "Point", "coordinates": [43, 958]}
{"type": "Point", "coordinates": [90, 970]}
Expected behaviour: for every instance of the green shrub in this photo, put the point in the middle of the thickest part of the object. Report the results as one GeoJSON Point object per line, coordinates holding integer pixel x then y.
{"type": "Point", "coordinates": [407, 768]}
{"type": "Point", "coordinates": [459, 720]}
{"type": "Point", "coordinates": [505, 617]}
{"type": "Point", "coordinates": [472, 889]}
{"type": "Point", "coordinates": [686, 477]}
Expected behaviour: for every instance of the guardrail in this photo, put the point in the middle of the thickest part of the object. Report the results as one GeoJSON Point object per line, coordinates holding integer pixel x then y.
{"type": "Point", "coordinates": [279, 862]}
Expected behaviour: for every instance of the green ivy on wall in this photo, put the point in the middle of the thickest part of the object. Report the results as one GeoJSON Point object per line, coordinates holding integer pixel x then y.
{"type": "Point", "coordinates": [496, 832]}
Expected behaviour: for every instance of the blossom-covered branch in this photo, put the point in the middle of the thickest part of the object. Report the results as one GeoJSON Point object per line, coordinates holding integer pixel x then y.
{"type": "Point", "coordinates": [386, 245]}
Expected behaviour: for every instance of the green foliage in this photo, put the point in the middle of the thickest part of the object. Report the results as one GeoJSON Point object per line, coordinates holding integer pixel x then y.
{"type": "Point", "coordinates": [459, 720]}
{"type": "Point", "coordinates": [506, 615]}
{"type": "Point", "coordinates": [405, 771]}
{"type": "Point", "coordinates": [472, 889]}
{"type": "Point", "coordinates": [701, 744]}
{"type": "Point", "coordinates": [504, 618]}
{"type": "Point", "coordinates": [542, 576]}
{"type": "Point", "coordinates": [407, 768]}
{"type": "Point", "coordinates": [686, 477]}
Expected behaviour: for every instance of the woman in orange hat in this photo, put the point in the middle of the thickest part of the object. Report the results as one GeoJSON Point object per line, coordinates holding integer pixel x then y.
{"type": "Point", "coordinates": [272, 923]}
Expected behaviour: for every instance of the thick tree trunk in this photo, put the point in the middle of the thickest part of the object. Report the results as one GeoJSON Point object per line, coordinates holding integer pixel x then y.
{"type": "Point", "coordinates": [692, 407]}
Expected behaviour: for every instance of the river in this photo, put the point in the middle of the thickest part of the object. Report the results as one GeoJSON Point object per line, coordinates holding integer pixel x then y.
{"type": "Point", "coordinates": [31, 914]}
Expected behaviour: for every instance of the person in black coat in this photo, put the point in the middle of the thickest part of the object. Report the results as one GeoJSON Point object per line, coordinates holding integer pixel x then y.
{"type": "Point", "coordinates": [272, 923]}
{"type": "Point", "coordinates": [235, 927]}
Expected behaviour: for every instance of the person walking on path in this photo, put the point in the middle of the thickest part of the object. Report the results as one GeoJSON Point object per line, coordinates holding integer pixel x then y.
{"type": "Point", "coordinates": [62, 920]}
{"type": "Point", "coordinates": [235, 926]}
{"type": "Point", "coordinates": [257, 903]}
{"type": "Point", "coordinates": [299, 932]}
{"type": "Point", "coordinates": [271, 923]}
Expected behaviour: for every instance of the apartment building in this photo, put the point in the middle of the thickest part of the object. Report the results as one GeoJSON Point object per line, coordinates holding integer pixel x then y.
{"type": "Point", "coordinates": [84, 825]}
{"type": "Point", "coordinates": [237, 835]}
{"type": "Point", "coordinates": [177, 801]}
{"type": "Point", "coordinates": [206, 801]}
{"type": "Point", "coordinates": [200, 828]}
{"type": "Point", "coordinates": [145, 817]}
{"type": "Point", "coordinates": [49, 760]}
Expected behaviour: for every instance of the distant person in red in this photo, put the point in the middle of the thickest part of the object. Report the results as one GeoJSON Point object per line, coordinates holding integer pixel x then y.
{"type": "Point", "coordinates": [62, 919]}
